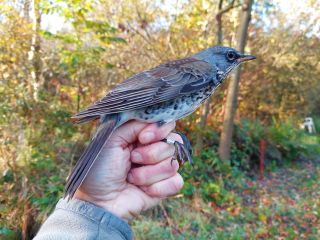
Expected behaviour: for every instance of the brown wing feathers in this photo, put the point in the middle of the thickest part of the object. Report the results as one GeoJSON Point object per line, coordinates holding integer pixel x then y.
{"type": "Point", "coordinates": [156, 85]}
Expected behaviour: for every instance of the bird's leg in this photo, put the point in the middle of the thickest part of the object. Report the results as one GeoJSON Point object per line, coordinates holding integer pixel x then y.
{"type": "Point", "coordinates": [160, 123]}
{"type": "Point", "coordinates": [183, 150]}
{"type": "Point", "coordinates": [186, 142]}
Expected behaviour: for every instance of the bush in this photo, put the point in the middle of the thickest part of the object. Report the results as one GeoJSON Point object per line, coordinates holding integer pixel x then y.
{"type": "Point", "coordinates": [284, 143]}
{"type": "Point", "coordinates": [316, 120]}
{"type": "Point", "coordinates": [292, 142]}
{"type": "Point", "coordinates": [211, 178]}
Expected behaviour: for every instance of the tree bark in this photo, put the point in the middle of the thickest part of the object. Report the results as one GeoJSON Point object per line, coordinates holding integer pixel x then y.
{"type": "Point", "coordinates": [26, 9]}
{"type": "Point", "coordinates": [231, 104]}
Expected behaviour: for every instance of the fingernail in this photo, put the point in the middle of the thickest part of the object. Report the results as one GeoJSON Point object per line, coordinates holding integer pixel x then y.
{"type": "Point", "coordinates": [130, 178]}
{"type": "Point", "coordinates": [136, 157]}
{"type": "Point", "coordinates": [148, 136]}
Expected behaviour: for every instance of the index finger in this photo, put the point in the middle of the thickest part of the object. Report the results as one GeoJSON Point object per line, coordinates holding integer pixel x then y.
{"type": "Point", "coordinates": [153, 132]}
{"type": "Point", "coordinates": [126, 133]}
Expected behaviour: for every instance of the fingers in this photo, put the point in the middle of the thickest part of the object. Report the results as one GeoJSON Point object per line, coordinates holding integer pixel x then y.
{"type": "Point", "coordinates": [158, 176]}
{"type": "Point", "coordinates": [145, 132]}
{"type": "Point", "coordinates": [165, 188]}
{"type": "Point", "coordinates": [155, 152]}
{"type": "Point", "coordinates": [153, 132]}
{"type": "Point", "coordinates": [150, 174]}
{"type": "Point", "coordinates": [126, 134]}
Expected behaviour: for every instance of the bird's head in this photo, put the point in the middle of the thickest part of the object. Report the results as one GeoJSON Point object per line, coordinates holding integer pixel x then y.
{"type": "Point", "coordinates": [224, 59]}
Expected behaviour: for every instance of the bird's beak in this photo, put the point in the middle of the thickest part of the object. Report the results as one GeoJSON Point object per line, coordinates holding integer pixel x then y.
{"type": "Point", "coordinates": [244, 58]}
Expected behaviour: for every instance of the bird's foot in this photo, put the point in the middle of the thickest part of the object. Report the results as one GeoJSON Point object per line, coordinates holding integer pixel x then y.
{"type": "Point", "coordinates": [183, 151]}
{"type": "Point", "coordinates": [186, 142]}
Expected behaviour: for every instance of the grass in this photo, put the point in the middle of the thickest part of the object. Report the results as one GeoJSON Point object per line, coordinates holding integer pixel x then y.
{"type": "Point", "coordinates": [285, 205]}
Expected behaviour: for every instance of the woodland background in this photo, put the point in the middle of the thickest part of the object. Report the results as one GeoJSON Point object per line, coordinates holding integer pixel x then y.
{"type": "Point", "coordinates": [57, 57]}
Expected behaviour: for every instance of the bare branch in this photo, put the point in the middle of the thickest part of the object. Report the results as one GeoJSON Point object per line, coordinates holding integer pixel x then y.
{"type": "Point", "coordinates": [227, 9]}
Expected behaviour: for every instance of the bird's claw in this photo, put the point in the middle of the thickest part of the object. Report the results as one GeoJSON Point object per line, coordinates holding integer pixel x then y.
{"type": "Point", "coordinates": [183, 151]}
{"type": "Point", "coordinates": [186, 142]}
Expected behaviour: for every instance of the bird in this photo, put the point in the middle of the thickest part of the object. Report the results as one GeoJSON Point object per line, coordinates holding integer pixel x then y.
{"type": "Point", "coordinates": [163, 94]}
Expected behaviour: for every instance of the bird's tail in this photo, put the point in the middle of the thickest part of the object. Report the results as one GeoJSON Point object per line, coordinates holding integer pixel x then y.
{"type": "Point", "coordinates": [108, 124]}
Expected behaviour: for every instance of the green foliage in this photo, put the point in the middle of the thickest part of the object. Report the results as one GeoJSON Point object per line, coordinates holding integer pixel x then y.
{"type": "Point", "coordinates": [211, 179]}
{"type": "Point", "coordinates": [288, 140]}
{"type": "Point", "coordinates": [8, 234]}
{"type": "Point", "coordinates": [316, 120]}
{"type": "Point", "coordinates": [284, 142]}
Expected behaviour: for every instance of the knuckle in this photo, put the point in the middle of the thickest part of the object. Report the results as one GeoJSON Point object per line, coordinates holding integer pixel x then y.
{"type": "Point", "coordinates": [168, 151]}
{"type": "Point", "coordinates": [137, 176]}
{"type": "Point", "coordinates": [170, 167]}
{"type": "Point", "coordinates": [151, 155]}
{"type": "Point", "coordinates": [155, 191]}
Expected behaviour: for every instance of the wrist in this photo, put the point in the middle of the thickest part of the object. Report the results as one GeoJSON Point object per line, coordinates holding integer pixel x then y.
{"type": "Point", "coordinates": [109, 205]}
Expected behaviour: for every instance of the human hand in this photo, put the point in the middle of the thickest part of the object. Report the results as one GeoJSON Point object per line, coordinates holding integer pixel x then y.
{"type": "Point", "coordinates": [134, 170]}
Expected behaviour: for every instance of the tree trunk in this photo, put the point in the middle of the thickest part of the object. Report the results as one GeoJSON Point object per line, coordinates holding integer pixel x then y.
{"type": "Point", "coordinates": [231, 104]}
{"type": "Point", "coordinates": [26, 9]}
{"type": "Point", "coordinates": [34, 53]}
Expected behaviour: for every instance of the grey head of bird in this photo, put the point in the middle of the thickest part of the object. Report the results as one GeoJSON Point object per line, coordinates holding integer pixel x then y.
{"type": "Point", "coordinates": [223, 59]}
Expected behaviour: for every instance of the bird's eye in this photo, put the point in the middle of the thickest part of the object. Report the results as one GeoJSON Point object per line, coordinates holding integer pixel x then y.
{"type": "Point", "coordinates": [231, 55]}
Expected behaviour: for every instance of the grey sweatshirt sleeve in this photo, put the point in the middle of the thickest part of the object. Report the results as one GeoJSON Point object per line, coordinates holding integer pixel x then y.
{"type": "Point", "coordinates": [82, 220]}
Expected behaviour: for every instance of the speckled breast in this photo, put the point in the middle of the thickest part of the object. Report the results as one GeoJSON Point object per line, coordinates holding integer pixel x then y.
{"type": "Point", "coordinates": [174, 109]}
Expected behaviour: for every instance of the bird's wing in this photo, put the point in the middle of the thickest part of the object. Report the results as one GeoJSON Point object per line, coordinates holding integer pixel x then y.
{"type": "Point", "coordinates": [162, 83]}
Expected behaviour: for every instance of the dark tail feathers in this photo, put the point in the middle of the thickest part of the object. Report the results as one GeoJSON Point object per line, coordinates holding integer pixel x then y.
{"type": "Point", "coordinates": [108, 124]}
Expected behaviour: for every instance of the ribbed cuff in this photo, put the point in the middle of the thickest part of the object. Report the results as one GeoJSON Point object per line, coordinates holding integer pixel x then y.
{"type": "Point", "coordinates": [97, 214]}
